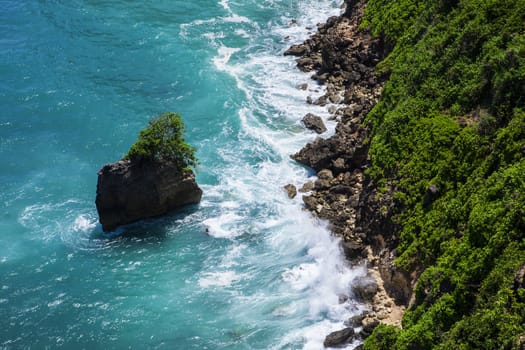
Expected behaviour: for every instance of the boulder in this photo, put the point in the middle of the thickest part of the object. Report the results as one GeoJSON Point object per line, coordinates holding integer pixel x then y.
{"type": "Point", "coordinates": [291, 190]}
{"type": "Point", "coordinates": [131, 191]}
{"type": "Point", "coordinates": [314, 123]}
{"type": "Point", "coordinates": [353, 250]}
{"type": "Point", "coordinates": [369, 324]}
{"type": "Point", "coordinates": [297, 50]}
{"type": "Point", "coordinates": [355, 321]}
{"type": "Point", "coordinates": [339, 338]}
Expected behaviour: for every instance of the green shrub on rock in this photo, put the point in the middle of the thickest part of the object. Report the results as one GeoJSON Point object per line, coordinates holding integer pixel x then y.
{"type": "Point", "coordinates": [163, 140]}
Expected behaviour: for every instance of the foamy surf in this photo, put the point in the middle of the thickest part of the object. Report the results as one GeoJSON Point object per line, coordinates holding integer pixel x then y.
{"type": "Point", "coordinates": [314, 279]}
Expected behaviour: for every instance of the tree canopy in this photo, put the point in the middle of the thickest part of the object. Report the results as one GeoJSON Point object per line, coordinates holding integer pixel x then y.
{"type": "Point", "coordinates": [163, 139]}
{"type": "Point", "coordinates": [453, 116]}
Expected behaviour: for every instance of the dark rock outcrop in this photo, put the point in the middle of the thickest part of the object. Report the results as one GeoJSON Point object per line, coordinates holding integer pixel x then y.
{"type": "Point", "coordinates": [291, 190]}
{"type": "Point", "coordinates": [339, 338]}
{"type": "Point", "coordinates": [131, 191]}
{"type": "Point", "coordinates": [365, 288]}
{"type": "Point", "coordinates": [314, 123]}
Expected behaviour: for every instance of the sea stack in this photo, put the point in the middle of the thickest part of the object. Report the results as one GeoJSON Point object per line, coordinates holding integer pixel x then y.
{"type": "Point", "coordinates": [129, 191]}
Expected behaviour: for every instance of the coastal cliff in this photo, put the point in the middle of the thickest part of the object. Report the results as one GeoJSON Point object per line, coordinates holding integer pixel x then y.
{"type": "Point", "coordinates": [424, 178]}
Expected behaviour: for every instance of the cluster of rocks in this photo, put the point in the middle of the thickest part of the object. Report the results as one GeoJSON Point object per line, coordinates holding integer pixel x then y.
{"type": "Point", "coordinates": [343, 57]}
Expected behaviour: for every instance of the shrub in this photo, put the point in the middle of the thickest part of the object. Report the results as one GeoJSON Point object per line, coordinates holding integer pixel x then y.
{"type": "Point", "coordinates": [452, 115]}
{"type": "Point", "coordinates": [163, 140]}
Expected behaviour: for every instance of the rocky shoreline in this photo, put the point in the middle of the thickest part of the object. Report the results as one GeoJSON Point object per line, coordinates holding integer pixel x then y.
{"type": "Point", "coordinates": [343, 57]}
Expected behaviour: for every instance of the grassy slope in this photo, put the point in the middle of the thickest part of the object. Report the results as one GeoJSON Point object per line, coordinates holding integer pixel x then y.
{"type": "Point", "coordinates": [453, 115]}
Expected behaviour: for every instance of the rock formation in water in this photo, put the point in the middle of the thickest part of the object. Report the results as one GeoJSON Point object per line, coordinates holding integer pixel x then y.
{"type": "Point", "coordinates": [129, 191]}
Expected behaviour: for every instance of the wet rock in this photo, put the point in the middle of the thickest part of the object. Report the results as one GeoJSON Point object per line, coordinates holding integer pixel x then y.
{"type": "Point", "coordinates": [296, 50]}
{"type": "Point", "coordinates": [321, 101]}
{"type": "Point", "coordinates": [131, 191]}
{"type": "Point", "coordinates": [343, 298]}
{"type": "Point", "coordinates": [310, 202]}
{"type": "Point", "coordinates": [314, 123]}
{"type": "Point", "coordinates": [355, 321]}
{"type": "Point", "coordinates": [353, 250]}
{"type": "Point", "coordinates": [307, 187]}
{"type": "Point", "coordinates": [334, 97]}
{"type": "Point", "coordinates": [291, 190]}
{"type": "Point", "coordinates": [365, 288]}
{"type": "Point", "coordinates": [339, 338]}
{"type": "Point", "coordinates": [305, 64]}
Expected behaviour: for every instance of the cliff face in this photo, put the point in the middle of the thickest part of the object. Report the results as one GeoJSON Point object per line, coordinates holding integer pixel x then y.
{"type": "Point", "coordinates": [131, 191]}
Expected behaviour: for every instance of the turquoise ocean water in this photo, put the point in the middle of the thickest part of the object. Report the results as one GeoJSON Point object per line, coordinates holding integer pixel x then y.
{"type": "Point", "coordinates": [247, 268]}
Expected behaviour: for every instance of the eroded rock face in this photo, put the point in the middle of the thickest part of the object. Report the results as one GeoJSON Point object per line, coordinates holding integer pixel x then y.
{"type": "Point", "coordinates": [128, 191]}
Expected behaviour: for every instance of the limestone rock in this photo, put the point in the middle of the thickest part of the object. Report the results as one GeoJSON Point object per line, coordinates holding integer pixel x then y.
{"type": "Point", "coordinates": [131, 191]}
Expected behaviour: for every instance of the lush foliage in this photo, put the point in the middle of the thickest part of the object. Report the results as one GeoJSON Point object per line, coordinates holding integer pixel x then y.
{"type": "Point", "coordinates": [163, 140]}
{"type": "Point", "coordinates": [452, 116]}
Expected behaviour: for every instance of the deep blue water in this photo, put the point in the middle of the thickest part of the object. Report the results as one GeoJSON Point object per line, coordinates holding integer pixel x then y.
{"type": "Point", "coordinates": [246, 269]}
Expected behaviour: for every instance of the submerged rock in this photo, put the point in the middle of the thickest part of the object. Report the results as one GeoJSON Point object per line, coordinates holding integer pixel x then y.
{"type": "Point", "coordinates": [131, 191]}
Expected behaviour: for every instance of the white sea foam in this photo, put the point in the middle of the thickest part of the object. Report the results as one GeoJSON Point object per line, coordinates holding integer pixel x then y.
{"type": "Point", "coordinates": [218, 279]}
{"type": "Point", "coordinates": [75, 224]}
{"type": "Point", "coordinates": [83, 223]}
{"type": "Point", "coordinates": [224, 226]}
{"type": "Point", "coordinates": [312, 272]}
{"type": "Point", "coordinates": [224, 55]}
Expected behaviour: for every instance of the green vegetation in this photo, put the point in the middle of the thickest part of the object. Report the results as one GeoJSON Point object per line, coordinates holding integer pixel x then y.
{"type": "Point", "coordinates": [452, 116]}
{"type": "Point", "coordinates": [163, 140]}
